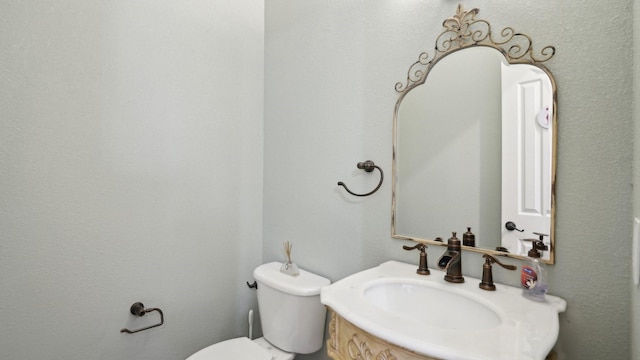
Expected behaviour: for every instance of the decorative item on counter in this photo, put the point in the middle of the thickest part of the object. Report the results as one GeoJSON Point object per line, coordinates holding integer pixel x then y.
{"type": "Point", "coordinates": [289, 268]}
{"type": "Point", "coordinates": [468, 238]}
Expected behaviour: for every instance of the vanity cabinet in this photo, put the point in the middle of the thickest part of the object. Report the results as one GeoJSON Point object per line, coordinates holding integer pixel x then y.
{"type": "Point", "coordinates": [348, 342]}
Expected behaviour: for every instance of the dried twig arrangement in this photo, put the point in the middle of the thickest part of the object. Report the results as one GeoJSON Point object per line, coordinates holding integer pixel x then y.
{"type": "Point", "coordinates": [287, 246]}
{"type": "Point", "coordinates": [289, 267]}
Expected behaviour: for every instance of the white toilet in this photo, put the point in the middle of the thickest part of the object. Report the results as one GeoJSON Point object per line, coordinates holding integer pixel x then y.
{"type": "Point", "coordinates": [291, 315]}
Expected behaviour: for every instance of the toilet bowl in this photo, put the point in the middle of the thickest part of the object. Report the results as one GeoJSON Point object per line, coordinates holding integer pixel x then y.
{"type": "Point", "coordinates": [291, 315]}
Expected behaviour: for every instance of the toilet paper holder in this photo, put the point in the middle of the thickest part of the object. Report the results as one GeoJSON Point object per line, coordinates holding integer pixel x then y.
{"type": "Point", "coordinates": [138, 309]}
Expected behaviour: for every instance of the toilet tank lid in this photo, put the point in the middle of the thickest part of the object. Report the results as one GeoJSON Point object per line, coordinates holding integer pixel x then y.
{"type": "Point", "coordinates": [304, 284]}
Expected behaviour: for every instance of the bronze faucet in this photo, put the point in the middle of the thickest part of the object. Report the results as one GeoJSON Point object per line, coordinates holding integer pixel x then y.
{"type": "Point", "coordinates": [487, 276]}
{"type": "Point", "coordinates": [451, 260]}
{"type": "Point", "coordinates": [422, 268]}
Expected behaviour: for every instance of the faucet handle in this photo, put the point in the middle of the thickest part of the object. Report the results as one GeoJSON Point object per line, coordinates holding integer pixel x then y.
{"type": "Point", "coordinates": [487, 275]}
{"type": "Point", "coordinates": [540, 245]}
{"type": "Point", "coordinates": [422, 247]}
{"type": "Point", "coordinates": [537, 244]}
{"type": "Point", "coordinates": [422, 268]}
{"type": "Point", "coordinates": [491, 259]}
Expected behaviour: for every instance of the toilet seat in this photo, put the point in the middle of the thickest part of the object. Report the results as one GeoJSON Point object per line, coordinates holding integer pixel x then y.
{"type": "Point", "coordinates": [237, 349]}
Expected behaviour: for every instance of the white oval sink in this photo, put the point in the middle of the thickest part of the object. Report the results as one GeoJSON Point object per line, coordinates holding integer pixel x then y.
{"type": "Point", "coordinates": [430, 316]}
{"type": "Point", "coordinates": [425, 303]}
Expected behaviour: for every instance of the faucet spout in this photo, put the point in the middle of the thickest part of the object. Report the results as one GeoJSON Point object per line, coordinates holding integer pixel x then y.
{"type": "Point", "coordinates": [451, 261]}
{"type": "Point", "coordinates": [448, 259]}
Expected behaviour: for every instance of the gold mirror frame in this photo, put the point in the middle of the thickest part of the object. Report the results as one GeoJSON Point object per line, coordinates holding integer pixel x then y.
{"type": "Point", "coordinates": [463, 31]}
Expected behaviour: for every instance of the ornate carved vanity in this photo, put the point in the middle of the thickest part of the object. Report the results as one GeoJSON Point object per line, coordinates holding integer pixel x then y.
{"type": "Point", "coordinates": [348, 342]}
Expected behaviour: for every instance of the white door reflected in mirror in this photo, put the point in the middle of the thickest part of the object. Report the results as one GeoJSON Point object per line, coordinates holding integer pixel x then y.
{"type": "Point", "coordinates": [527, 137]}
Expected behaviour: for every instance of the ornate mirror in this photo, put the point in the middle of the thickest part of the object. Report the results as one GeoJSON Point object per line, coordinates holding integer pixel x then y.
{"type": "Point", "coordinates": [475, 141]}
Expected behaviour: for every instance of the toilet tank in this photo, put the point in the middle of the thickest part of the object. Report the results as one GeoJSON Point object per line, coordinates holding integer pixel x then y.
{"type": "Point", "coordinates": [291, 314]}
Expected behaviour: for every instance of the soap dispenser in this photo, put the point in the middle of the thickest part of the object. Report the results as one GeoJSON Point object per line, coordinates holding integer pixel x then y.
{"type": "Point", "coordinates": [533, 277]}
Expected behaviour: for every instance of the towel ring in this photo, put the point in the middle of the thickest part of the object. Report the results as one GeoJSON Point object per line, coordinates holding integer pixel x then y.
{"type": "Point", "coordinates": [367, 166]}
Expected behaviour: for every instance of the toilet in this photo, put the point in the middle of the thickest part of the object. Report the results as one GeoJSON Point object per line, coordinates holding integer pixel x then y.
{"type": "Point", "coordinates": [291, 315]}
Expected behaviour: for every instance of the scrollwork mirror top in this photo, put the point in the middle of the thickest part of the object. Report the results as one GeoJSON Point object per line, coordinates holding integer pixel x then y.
{"type": "Point", "coordinates": [465, 31]}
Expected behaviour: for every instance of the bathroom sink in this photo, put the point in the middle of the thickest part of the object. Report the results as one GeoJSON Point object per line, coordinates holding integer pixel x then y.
{"type": "Point", "coordinates": [427, 303]}
{"type": "Point", "coordinates": [430, 316]}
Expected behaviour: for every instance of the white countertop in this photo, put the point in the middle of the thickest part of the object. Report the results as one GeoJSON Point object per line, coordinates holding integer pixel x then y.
{"type": "Point", "coordinates": [528, 329]}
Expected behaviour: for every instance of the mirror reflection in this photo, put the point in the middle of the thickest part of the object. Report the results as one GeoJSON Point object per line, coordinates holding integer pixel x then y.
{"type": "Point", "coordinates": [449, 141]}
{"type": "Point", "coordinates": [474, 142]}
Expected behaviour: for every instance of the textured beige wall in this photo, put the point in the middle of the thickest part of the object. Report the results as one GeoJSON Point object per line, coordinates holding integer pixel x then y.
{"type": "Point", "coordinates": [330, 68]}
{"type": "Point", "coordinates": [121, 131]}
{"type": "Point", "coordinates": [635, 289]}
